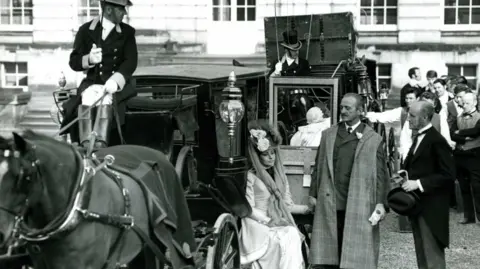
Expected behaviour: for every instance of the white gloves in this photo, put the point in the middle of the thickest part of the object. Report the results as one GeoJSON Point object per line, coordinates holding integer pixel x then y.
{"type": "Point", "coordinates": [111, 86]}
{"type": "Point", "coordinates": [95, 55]}
{"type": "Point", "coordinates": [378, 214]}
{"type": "Point", "coordinates": [278, 70]}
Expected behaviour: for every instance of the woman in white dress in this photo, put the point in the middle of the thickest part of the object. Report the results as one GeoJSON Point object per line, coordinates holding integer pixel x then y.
{"type": "Point", "coordinates": [269, 237]}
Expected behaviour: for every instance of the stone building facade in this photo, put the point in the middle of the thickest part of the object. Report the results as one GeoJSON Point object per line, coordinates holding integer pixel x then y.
{"type": "Point", "coordinates": [443, 35]}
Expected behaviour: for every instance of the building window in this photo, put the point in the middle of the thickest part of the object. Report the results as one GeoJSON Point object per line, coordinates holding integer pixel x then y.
{"type": "Point", "coordinates": [384, 75]}
{"type": "Point", "coordinates": [245, 10]}
{"type": "Point", "coordinates": [468, 71]}
{"type": "Point", "coordinates": [88, 10]}
{"type": "Point", "coordinates": [378, 12]}
{"type": "Point", "coordinates": [16, 12]}
{"type": "Point", "coordinates": [462, 12]}
{"type": "Point", "coordinates": [14, 75]}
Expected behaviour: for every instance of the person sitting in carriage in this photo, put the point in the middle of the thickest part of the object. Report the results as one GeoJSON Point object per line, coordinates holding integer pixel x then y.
{"type": "Point", "coordinates": [269, 236]}
{"type": "Point", "coordinates": [107, 50]}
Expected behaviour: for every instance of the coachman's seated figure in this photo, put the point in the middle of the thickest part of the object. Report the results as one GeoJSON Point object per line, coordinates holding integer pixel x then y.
{"type": "Point", "coordinates": [296, 102]}
{"type": "Point", "coordinates": [107, 50]}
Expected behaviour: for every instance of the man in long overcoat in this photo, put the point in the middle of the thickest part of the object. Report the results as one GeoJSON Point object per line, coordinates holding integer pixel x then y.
{"type": "Point", "coordinates": [350, 185]}
{"type": "Point", "coordinates": [107, 50]}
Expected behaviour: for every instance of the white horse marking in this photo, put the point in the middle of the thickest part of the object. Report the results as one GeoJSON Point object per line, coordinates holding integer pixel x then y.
{"type": "Point", "coordinates": [3, 170]}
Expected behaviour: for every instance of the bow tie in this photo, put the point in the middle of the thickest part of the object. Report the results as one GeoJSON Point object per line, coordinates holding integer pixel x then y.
{"type": "Point", "coordinates": [468, 114]}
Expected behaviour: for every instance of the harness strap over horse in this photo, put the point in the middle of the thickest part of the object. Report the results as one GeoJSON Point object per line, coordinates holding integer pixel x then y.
{"type": "Point", "coordinates": [76, 208]}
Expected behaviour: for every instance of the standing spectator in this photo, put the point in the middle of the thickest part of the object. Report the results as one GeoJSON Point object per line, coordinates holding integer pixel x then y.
{"type": "Point", "coordinates": [455, 106]}
{"type": "Point", "coordinates": [439, 120]}
{"type": "Point", "coordinates": [415, 78]}
{"type": "Point", "coordinates": [431, 172]}
{"type": "Point", "coordinates": [384, 92]}
{"type": "Point", "coordinates": [443, 96]}
{"type": "Point", "coordinates": [431, 77]}
{"type": "Point", "coordinates": [349, 151]}
{"type": "Point", "coordinates": [398, 114]}
{"type": "Point", "coordinates": [467, 157]}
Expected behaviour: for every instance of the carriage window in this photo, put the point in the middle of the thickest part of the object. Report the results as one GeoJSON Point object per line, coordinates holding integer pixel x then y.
{"type": "Point", "coordinates": [293, 98]}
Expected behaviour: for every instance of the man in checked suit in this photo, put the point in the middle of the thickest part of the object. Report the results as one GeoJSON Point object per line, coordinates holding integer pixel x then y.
{"type": "Point", "coordinates": [431, 171]}
{"type": "Point", "coordinates": [350, 183]}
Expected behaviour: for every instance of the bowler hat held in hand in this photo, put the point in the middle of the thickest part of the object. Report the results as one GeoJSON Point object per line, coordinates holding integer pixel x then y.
{"type": "Point", "coordinates": [400, 201]}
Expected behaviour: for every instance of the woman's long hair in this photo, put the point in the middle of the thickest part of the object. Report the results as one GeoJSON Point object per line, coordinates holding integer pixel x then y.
{"type": "Point", "coordinates": [277, 186]}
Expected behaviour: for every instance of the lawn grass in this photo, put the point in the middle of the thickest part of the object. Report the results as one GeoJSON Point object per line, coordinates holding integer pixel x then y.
{"type": "Point", "coordinates": [398, 252]}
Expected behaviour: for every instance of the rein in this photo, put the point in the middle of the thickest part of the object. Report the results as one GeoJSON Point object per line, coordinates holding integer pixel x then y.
{"type": "Point", "coordinates": [80, 116]}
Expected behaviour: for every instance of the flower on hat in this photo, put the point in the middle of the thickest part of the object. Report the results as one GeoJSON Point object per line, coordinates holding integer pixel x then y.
{"type": "Point", "coordinates": [260, 136]}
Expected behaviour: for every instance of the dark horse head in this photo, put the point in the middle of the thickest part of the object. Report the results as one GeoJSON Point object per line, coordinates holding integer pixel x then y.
{"type": "Point", "coordinates": [38, 181]}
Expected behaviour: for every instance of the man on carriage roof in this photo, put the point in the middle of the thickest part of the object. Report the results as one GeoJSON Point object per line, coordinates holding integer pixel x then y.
{"type": "Point", "coordinates": [107, 50]}
{"type": "Point", "coordinates": [291, 64]}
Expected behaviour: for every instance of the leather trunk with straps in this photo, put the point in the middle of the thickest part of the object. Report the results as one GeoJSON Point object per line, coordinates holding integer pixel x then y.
{"type": "Point", "coordinates": [332, 37]}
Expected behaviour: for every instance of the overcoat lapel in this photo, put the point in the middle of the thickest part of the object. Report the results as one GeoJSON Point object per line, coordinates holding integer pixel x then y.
{"type": "Point", "coordinates": [366, 134]}
{"type": "Point", "coordinates": [330, 143]}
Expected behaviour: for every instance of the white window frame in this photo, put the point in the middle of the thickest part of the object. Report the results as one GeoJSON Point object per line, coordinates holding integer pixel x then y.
{"type": "Point", "coordinates": [89, 10]}
{"type": "Point", "coordinates": [17, 75]}
{"type": "Point", "coordinates": [461, 71]}
{"type": "Point", "coordinates": [374, 27]}
{"type": "Point", "coordinates": [377, 74]}
{"type": "Point", "coordinates": [23, 27]}
{"type": "Point", "coordinates": [458, 27]}
{"type": "Point", "coordinates": [233, 10]}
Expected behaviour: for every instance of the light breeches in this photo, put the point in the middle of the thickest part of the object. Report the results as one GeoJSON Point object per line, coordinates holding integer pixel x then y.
{"type": "Point", "coordinates": [91, 94]}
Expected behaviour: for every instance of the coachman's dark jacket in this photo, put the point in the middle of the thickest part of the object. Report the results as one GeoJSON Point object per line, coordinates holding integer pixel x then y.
{"type": "Point", "coordinates": [119, 61]}
{"type": "Point", "coordinates": [300, 67]}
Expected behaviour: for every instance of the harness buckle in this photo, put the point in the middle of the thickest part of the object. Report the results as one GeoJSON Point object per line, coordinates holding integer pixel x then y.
{"type": "Point", "coordinates": [131, 222]}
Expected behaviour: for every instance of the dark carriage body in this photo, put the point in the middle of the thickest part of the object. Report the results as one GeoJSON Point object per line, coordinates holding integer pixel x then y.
{"type": "Point", "coordinates": [203, 131]}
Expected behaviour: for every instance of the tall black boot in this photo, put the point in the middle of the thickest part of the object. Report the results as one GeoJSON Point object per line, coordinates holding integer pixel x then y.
{"type": "Point", "coordinates": [102, 125]}
{"type": "Point", "coordinates": [84, 125]}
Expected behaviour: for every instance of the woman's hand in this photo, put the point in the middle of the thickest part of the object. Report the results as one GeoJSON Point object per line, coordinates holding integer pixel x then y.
{"type": "Point", "coordinates": [278, 223]}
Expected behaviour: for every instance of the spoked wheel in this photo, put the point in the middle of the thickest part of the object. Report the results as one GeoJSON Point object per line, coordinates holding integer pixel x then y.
{"type": "Point", "coordinates": [225, 252]}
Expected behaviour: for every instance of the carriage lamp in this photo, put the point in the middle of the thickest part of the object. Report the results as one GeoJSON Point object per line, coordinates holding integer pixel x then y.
{"type": "Point", "coordinates": [363, 84]}
{"type": "Point", "coordinates": [62, 81]}
{"type": "Point", "coordinates": [231, 109]}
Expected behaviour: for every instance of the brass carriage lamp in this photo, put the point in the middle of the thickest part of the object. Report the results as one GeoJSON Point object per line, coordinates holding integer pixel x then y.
{"type": "Point", "coordinates": [62, 81]}
{"type": "Point", "coordinates": [231, 109]}
{"type": "Point", "coordinates": [363, 84]}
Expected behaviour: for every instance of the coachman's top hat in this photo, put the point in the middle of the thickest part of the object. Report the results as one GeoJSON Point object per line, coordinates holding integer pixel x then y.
{"type": "Point", "coordinates": [404, 203]}
{"type": "Point", "coordinates": [124, 3]}
{"type": "Point", "coordinates": [290, 40]}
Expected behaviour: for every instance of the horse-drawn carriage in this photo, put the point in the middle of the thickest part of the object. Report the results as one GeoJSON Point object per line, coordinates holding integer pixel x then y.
{"type": "Point", "coordinates": [183, 111]}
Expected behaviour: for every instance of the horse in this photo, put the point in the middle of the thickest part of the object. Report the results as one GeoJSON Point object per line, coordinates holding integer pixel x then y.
{"type": "Point", "coordinates": [73, 215]}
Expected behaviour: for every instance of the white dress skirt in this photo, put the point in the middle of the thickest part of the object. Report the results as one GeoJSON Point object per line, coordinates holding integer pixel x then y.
{"type": "Point", "coordinates": [268, 247]}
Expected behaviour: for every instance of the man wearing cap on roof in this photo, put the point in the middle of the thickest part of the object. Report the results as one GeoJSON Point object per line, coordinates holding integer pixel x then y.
{"type": "Point", "coordinates": [291, 64]}
{"type": "Point", "coordinates": [107, 50]}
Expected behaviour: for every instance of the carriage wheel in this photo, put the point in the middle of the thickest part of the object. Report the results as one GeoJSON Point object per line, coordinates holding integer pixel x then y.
{"type": "Point", "coordinates": [225, 252]}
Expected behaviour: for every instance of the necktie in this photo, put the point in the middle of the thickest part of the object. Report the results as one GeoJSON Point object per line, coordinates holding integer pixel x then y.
{"type": "Point", "coordinates": [415, 135]}
{"type": "Point", "coordinates": [349, 129]}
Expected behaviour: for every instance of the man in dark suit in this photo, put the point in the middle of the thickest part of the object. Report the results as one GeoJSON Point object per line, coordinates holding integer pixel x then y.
{"type": "Point", "coordinates": [415, 78]}
{"type": "Point", "coordinates": [466, 134]}
{"type": "Point", "coordinates": [455, 106]}
{"type": "Point", "coordinates": [107, 50]}
{"type": "Point", "coordinates": [431, 170]}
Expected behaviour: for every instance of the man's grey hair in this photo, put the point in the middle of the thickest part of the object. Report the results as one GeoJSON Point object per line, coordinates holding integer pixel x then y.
{"type": "Point", "coordinates": [358, 98]}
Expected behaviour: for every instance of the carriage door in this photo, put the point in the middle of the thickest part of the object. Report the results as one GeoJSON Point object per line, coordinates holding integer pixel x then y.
{"type": "Point", "coordinates": [233, 28]}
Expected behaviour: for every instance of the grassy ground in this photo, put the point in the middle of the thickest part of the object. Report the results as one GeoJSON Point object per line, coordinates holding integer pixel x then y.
{"type": "Point", "coordinates": [397, 250]}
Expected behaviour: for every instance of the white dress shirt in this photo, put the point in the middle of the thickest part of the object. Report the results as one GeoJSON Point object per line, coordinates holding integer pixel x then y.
{"type": "Point", "coordinates": [419, 140]}
{"type": "Point", "coordinates": [353, 126]}
{"type": "Point", "coordinates": [107, 27]}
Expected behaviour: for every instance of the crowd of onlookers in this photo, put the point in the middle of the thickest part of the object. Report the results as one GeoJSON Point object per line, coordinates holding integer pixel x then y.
{"type": "Point", "coordinates": [456, 117]}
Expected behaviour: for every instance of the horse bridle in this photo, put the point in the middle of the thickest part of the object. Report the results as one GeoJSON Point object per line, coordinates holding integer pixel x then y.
{"type": "Point", "coordinates": [22, 176]}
